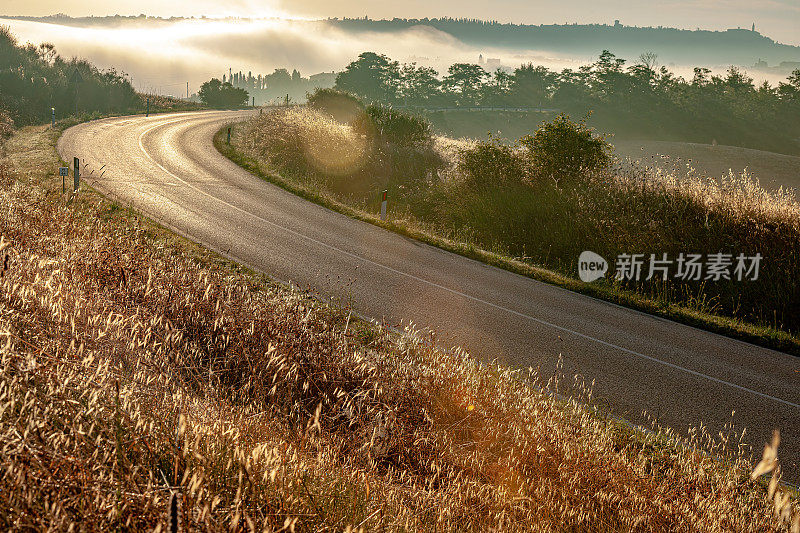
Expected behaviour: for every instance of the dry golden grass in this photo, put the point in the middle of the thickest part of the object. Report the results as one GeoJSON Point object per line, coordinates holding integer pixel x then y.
{"type": "Point", "coordinates": [311, 140]}
{"type": "Point", "coordinates": [772, 169]}
{"type": "Point", "coordinates": [131, 368]}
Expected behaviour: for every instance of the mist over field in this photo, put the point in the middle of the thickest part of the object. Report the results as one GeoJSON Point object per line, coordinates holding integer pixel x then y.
{"type": "Point", "coordinates": [161, 55]}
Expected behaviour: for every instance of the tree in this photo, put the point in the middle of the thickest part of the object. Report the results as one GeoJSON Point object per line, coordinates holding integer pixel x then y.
{"type": "Point", "coordinates": [372, 77]}
{"type": "Point", "coordinates": [530, 85]}
{"type": "Point", "coordinates": [701, 76]}
{"type": "Point", "coordinates": [464, 81]}
{"type": "Point", "coordinates": [564, 148]}
{"type": "Point", "coordinates": [738, 82]}
{"type": "Point", "coordinates": [215, 93]}
{"type": "Point", "coordinates": [791, 90]}
{"type": "Point", "coordinates": [496, 91]}
{"type": "Point", "coordinates": [608, 77]}
{"type": "Point", "coordinates": [419, 85]}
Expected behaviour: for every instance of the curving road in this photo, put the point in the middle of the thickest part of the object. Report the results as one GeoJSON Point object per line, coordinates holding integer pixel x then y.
{"type": "Point", "coordinates": [167, 167]}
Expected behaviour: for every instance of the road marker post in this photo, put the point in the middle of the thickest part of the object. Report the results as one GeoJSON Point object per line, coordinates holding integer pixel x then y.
{"type": "Point", "coordinates": [76, 174]}
{"type": "Point", "coordinates": [63, 172]}
{"type": "Point", "coordinates": [148, 108]}
{"type": "Point", "coordinates": [383, 205]}
{"type": "Point", "coordinates": [53, 117]}
{"type": "Point", "coordinates": [229, 135]}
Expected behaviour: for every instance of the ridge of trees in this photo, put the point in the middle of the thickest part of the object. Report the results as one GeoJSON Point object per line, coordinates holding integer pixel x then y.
{"type": "Point", "coordinates": [640, 97]}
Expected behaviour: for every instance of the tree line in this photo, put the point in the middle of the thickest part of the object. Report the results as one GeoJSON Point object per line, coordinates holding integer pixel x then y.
{"type": "Point", "coordinates": [275, 87]}
{"type": "Point", "coordinates": [640, 98]}
{"type": "Point", "coordinates": [35, 79]}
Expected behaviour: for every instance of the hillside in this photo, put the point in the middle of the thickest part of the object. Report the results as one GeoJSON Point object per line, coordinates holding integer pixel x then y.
{"type": "Point", "coordinates": [690, 47]}
{"type": "Point", "coordinates": [734, 46]}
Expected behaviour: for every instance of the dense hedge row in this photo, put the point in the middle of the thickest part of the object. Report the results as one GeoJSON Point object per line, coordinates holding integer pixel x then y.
{"type": "Point", "coordinates": [34, 79]}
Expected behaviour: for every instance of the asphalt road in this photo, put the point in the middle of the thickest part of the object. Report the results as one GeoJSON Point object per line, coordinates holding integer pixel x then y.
{"type": "Point", "coordinates": [167, 167]}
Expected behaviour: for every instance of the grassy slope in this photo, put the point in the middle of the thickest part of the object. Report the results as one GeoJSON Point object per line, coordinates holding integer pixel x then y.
{"type": "Point", "coordinates": [134, 363]}
{"type": "Point", "coordinates": [757, 334]}
{"type": "Point", "coordinates": [772, 169]}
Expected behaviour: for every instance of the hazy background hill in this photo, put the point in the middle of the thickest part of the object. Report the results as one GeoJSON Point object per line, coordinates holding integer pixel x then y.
{"type": "Point", "coordinates": [699, 47]}
{"type": "Point", "coordinates": [162, 54]}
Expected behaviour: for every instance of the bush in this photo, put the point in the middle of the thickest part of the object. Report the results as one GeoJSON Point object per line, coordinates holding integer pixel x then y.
{"type": "Point", "coordinates": [564, 148]}
{"type": "Point", "coordinates": [215, 93]}
{"type": "Point", "coordinates": [491, 164]}
{"type": "Point", "coordinates": [341, 106]}
{"type": "Point", "coordinates": [395, 127]}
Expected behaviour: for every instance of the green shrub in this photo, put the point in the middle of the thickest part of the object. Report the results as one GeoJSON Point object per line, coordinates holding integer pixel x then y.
{"type": "Point", "coordinates": [215, 93]}
{"type": "Point", "coordinates": [564, 148]}
{"type": "Point", "coordinates": [491, 164]}
{"type": "Point", "coordinates": [394, 127]}
{"type": "Point", "coordinates": [342, 106]}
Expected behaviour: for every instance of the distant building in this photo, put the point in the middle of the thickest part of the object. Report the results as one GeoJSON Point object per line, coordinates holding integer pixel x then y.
{"type": "Point", "coordinates": [323, 79]}
{"type": "Point", "coordinates": [617, 24]}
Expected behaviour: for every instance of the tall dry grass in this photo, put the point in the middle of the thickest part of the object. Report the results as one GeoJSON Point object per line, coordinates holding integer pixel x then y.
{"type": "Point", "coordinates": [133, 368]}
{"type": "Point", "coordinates": [320, 152]}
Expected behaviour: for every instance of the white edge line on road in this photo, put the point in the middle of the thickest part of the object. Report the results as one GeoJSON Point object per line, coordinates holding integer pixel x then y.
{"type": "Point", "coordinates": [456, 292]}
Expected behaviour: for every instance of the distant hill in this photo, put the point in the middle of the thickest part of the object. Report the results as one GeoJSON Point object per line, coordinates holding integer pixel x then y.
{"type": "Point", "coordinates": [696, 47]}
{"type": "Point", "coordinates": [744, 47]}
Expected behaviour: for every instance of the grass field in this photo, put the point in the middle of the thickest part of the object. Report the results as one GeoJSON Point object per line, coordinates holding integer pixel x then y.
{"type": "Point", "coordinates": [772, 170]}
{"type": "Point", "coordinates": [136, 365]}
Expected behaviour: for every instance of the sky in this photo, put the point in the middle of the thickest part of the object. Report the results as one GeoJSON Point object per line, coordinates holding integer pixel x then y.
{"type": "Point", "coordinates": [778, 19]}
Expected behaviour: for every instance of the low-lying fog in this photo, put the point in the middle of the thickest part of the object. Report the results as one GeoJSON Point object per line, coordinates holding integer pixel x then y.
{"type": "Point", "coordinates": [162, 57]}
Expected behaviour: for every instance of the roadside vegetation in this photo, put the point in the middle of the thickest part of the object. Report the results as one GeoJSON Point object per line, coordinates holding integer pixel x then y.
{"type": "Point", "coordinates": [635, 100]}
{"type": "Point", "coordinates": [541, 202]}
{"type": "Point", "coordinates": [135, 365]}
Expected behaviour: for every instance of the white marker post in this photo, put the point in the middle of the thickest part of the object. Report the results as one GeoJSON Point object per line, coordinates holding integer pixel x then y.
{"type": "Point", "coordinates": [383, 205]}
{"type": "Point", "coordinates": [53, 117]}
